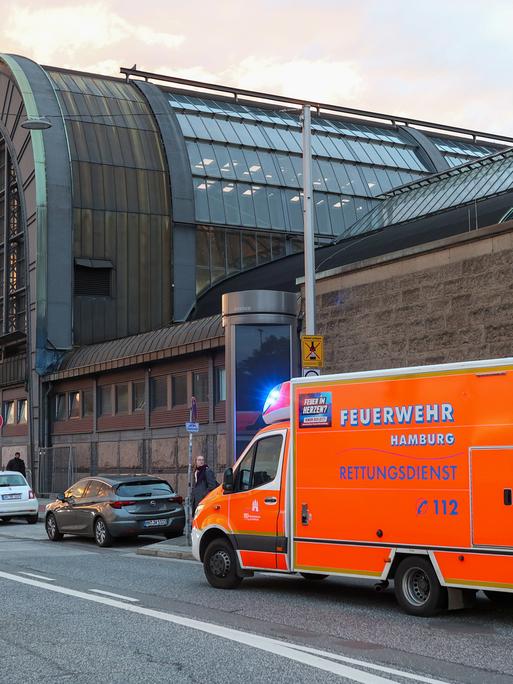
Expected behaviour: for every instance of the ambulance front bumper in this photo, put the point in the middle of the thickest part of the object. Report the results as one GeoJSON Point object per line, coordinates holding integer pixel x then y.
{"type": "Point", "coordinates": [196, 538]}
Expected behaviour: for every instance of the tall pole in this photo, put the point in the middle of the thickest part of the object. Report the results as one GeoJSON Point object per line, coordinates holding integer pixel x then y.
{"type": "Point", "coordinates": [308, 223]}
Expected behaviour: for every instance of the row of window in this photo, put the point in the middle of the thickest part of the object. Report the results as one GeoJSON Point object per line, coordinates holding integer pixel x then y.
{"type": "Point", "coordinates": [125, 398]}
{"type": "Point", "coordinates": [14, 412]}
{"type": "Point", "coordinates": [272, 168]}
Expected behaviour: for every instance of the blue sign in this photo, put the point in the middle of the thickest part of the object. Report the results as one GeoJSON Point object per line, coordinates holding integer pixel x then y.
{"type": "Point", "coordinates": [315, 410]}
{"type": "Point", "coordinates": [192, 427]}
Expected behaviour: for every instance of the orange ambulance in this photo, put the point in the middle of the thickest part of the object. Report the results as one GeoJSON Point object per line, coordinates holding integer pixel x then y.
{"type": "Point", "coordinates": [403, 474]}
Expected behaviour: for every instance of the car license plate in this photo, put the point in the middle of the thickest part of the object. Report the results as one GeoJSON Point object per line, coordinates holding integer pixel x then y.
{"type": "Point", "coordinates": [10, 497]}
{"type": "Point", "coordinates": [155, 523]}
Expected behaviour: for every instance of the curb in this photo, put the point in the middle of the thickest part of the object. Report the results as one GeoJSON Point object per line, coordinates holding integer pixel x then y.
{"type": "Point", "coordinates": [184, 554]}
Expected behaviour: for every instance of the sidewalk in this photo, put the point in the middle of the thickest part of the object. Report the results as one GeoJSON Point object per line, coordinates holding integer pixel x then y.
{"type": "Point", "coordinates": [169, 548]}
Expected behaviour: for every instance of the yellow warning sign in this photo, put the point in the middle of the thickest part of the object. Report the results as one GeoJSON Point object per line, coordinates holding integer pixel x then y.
{"type": "Point", "coordinates": [312, 351]}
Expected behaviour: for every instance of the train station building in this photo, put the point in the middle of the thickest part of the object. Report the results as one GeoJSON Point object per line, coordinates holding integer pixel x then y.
{"type": "Point", "coordinates": [129, 205]}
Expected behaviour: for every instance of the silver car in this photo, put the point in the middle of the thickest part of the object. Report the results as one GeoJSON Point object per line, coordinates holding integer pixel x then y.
{"type": "Point", "coordinates": [108, 507]}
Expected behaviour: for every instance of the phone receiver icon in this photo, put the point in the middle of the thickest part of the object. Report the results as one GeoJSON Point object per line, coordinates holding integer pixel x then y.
{"type": "Point", "coordinates": [422, 506]}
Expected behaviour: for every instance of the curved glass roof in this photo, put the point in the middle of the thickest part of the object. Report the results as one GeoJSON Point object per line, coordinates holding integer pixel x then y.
{"type": "Point", "coordinates": [457, 151]}
{"type": "Point", "coordinates": [480, 179]}
{"type": "Point", "coordinates": [247, 167]}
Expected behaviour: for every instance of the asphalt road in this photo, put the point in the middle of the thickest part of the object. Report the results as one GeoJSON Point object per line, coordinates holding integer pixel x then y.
{"type": "Point", "coordinates": [60, 622]}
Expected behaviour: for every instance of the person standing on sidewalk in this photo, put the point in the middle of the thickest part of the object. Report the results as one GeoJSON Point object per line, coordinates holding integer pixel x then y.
{"type": "Point", "coordinates": [204, 482]}
{"type": "Point", "coordinates": [17, 464]}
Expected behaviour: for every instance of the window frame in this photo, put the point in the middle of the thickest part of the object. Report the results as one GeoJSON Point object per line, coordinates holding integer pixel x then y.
{"type": "Point", "coordinates": [273, 484]}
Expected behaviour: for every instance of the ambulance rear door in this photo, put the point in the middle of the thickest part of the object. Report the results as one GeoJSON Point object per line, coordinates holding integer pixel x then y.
{"type": "Point", "coordinates": [492, 496]}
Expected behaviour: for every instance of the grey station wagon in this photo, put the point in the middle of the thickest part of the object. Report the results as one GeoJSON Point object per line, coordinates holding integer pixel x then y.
{"type": "Point", "coordinates": [109, 507]}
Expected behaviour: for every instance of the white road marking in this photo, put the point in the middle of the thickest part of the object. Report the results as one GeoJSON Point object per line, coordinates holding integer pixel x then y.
{"type": "Point", "coordinates": [295, 652]}
{"type": "Point", "coordinates": [119, 596]}
{"type": "Point", "coordinates": [41, 577]}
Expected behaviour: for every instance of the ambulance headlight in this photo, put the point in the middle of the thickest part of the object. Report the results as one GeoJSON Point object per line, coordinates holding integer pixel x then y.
{"type": "Point", "coordinates": [272, 397]}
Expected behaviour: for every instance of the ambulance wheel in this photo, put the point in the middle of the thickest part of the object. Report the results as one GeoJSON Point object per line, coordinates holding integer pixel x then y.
{"type": "Point", "coordinates": [220, 565]}
{"type": "Point", "coordinates": [502, 599]}
{"type": "Point", "coordinates": [417, 588]}
{"type": "Point", "coordinates": [312, 577]}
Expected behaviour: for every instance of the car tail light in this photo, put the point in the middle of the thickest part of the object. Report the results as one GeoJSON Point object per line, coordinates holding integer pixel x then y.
{"type": "Point", "coordinates": [176, 499]}
{"type": "Point", "coordinates": [121, 504]}
{"type": "Point", "coordinates": [31, 494]}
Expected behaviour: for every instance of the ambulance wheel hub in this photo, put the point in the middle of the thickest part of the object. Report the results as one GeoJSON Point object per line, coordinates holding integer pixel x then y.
{"type": "Point", "coordinates": [220, 563]}
{"type": "Point", "coordinates": [416, 586]}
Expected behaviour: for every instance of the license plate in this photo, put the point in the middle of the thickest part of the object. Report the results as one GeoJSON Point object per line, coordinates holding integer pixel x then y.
{"type": "Point", "coordinates": [10, 497]}
{"type": "Point", "coordinates": [155, 523]}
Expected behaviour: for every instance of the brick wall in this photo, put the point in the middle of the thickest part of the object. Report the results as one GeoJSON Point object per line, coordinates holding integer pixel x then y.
{"type": "Point", "coordinates": [447, 301]}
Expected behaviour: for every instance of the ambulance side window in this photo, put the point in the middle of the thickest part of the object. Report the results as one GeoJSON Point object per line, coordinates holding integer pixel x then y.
{"type": "Point", "coordinates": [260, 465]}
{"type": "Point", "coordinates": [243, 477]}
{"type": "Point", "coordinates": [266, 462]}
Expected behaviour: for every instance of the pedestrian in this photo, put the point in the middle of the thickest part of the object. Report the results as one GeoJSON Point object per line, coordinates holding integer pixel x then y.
{"type": "Point", "coordinates": [203, 482]}
{"type": "Point", "coordinates": [17, 464]}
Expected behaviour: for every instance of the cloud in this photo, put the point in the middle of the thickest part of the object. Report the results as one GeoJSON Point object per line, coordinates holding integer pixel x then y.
{"type": "Point", "coordinates": [317, 80]}
{"type": "Point", "coordinates": [63, 32]}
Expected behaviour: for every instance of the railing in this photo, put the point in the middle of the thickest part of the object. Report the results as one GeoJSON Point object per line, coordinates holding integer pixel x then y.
{"type": "Point", "coordinates": [13, 370]}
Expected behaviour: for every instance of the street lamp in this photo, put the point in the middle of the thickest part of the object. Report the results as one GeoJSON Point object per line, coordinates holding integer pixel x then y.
{"type": "Point", "coordinates": [308, 223]}
{"type": "Point", "coordinates": [36, 124]}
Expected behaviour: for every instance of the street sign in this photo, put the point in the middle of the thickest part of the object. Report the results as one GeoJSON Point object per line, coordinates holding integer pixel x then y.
{"type": "Point", "coordinates": [308, 372]}
{"type": "Point", "coordinates": [192, 427]}
{"type": "Point", "coordinates": [312, 351]}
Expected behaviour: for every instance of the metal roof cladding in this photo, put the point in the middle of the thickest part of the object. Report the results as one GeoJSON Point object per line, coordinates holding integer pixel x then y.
{"type": "Point", "coordinates": [165, 343]}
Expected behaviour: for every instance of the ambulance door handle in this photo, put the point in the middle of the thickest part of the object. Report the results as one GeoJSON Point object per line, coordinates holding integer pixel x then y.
{"type": "Point", "coordinates": [271, 500]}
{"type": "Point", "coordinates": [507, 497]}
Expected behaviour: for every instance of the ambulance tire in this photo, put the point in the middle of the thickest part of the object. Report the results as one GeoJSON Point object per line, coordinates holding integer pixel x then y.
{"type": "Point", "coordinates": [417, 588]}
{"type": "Point", "coordinates": [312, 577]}
{"type": "Point", "coordinates": [220, 565]}
{"type": "Point", "coordinates": [502, 599]}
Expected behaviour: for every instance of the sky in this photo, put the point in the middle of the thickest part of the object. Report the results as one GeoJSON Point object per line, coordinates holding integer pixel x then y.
{"type": "Point", "coordinates": [446, 61]}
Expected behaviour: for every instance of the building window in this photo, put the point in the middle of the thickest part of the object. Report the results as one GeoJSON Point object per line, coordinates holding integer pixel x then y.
{"type": "Point", "coordinates": [122, 398]}
{"type": "Point", "coordinates": [106, 400]}
{"type": "Point", "coordinates": [138, 396]}
{"type": "Point", "coordinates": [60, 407]}
{"type": "Point", "coordinates": [200, 386]}
{"type": "Point", "coordinates": [87, 403]}
{"type": "Point", "coordinates": [159, 392]}
{"type": "Point", "coordinates": [220, 384]}
{"type": "Point", "coordinates": [74, 405]}
{"type": "Point", "coordinates": [22, 410]}
{"type": "Point", "coordinates": [8, 413]}
{"type": "Point", "coordinates": [179, 388]}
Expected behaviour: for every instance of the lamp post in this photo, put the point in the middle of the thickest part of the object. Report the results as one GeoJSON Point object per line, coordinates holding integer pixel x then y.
{"type": "Point", "coordinates": [308, 223]}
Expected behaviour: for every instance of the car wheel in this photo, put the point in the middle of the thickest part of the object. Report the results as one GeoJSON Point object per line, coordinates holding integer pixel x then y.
{"type": "Point", "coordinates": [6, 519]}
{"type": "Point", "coordinates": [502, 599]}
{"type": "Point", "coordinates": [102, 536]}
{"type": "Point", "coordinates": [312, 577]}
{"type": "Point", "coordinates": [220, 565]}
{"type": "Point", "coordinates": [51, 528]}
{"type": "Point", "coordinates": [32, 519]}
{"type": "Point", "coordinates": [417, 588]}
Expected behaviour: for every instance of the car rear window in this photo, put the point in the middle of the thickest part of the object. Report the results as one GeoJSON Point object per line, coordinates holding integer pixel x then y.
{"type": "Point", "coordinates": [12, 481]}
{"type": "Point", "coordinates": [150, 488]}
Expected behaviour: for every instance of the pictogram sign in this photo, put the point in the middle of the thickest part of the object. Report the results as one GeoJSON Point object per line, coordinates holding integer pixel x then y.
{"type": "Point", "coordinates": [312, 351]}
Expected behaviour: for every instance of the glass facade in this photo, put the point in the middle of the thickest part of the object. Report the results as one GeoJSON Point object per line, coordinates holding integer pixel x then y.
{"type": "Point", "coordinates": [12, 250]}
{"type": "Point", "coordinates": [466, 184]}
{"type": "Point", "coordinates": [247, 167]}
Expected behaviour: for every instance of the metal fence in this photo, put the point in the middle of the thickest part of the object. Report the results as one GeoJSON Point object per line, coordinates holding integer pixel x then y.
{"type": "Point", "coordinates": [56, 469]}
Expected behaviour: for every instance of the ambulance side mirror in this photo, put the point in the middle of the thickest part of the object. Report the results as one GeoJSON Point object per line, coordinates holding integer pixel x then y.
{"type": "Point", "coordinates": [228, 481]}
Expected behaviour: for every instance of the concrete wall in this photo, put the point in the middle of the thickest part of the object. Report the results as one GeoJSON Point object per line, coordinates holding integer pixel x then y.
{"type": "Point", "coordinates": [450, 300]}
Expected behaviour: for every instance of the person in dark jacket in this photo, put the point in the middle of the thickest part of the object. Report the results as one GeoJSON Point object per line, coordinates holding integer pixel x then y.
{"type": "Point", "coordinates": [17, 464]}
{"type": "Point", "coordinates": [203, 482]}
